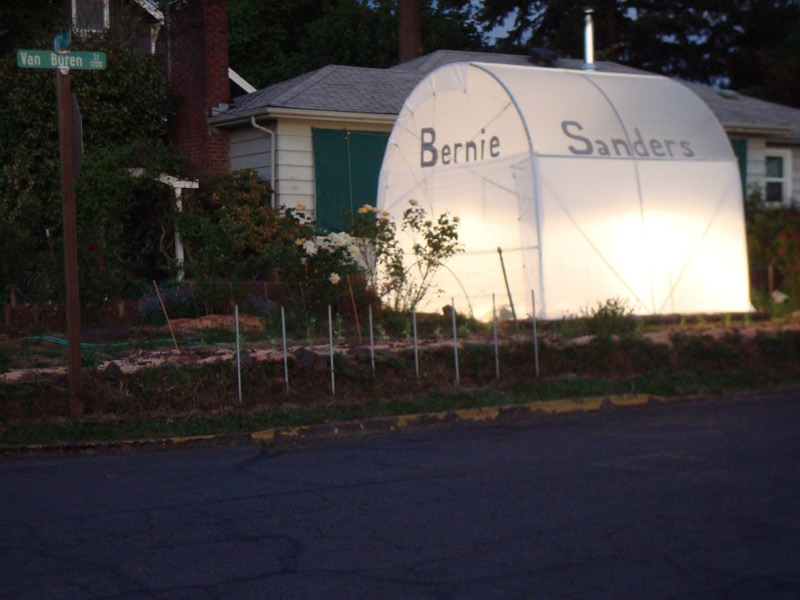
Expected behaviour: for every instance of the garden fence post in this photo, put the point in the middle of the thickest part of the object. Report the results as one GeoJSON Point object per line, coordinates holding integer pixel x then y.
{"type": "Point", "coordinates": [496, 345]}
{"type": "Point", "coordinates": [330, 343]}
{"type": "Point", "coordinates": [371, 343]}
{"type": "Point", "coordinates": [166, 316]}
{"type": "Point", "coordinates": [455, 340]}
{"type": "Point", "coordinates": [355, 308]}
{"type": "Point", "coordinates": [285, 353]}
{"type": "Point", "coordinates": [238, 352]}
{"type": "Point", "coordinates": [508, 289]}
{"type": "Point", "coordinates": [535, 337]}
{"type": "Point", "coordinates": [414, 334]}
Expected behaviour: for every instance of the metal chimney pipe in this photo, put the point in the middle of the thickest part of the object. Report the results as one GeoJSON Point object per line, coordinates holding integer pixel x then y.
{"type": "Point", "coordinates": [588, 40]}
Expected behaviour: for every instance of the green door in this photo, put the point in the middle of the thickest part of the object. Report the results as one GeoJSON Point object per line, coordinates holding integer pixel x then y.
{"type": "Point", "coordinates": [740, 150]}
{"type": "Point", "coordinates": [346, 168]}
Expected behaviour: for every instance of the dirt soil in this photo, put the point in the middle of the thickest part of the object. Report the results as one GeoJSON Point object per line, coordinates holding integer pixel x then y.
{"type": "Point", "coordinates": [164, 380]}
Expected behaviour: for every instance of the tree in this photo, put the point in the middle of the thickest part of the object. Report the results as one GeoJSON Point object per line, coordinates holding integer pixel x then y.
{"type": "Point", "coordinates": [274, 40]}
{"type": "Point", "coordinates": [24, 22]}
{"type": "Point", "coordinates": [751, 45]}
{"type": "Point", "coordinates": [766, 60]}
{"type": "Point", "coordinates": [121, 105]}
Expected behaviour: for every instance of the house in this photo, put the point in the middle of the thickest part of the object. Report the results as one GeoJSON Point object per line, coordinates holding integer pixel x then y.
{"type": "Point", "coordinates": [190, 28]}
{"type": "Point", "coordinates": [141, 17]}
{"type": "Point", "coordinates": [319, 137]}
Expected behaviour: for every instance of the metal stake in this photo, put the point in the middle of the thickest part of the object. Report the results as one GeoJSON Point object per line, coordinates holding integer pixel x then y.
{"type": "Point", "coordinates": [238, 351]}
{"type": "Point", "coordinates": [496, 346]}
{"type": "Point", "coordinates": [416, 347]}
{"type": "Point", "coordinates": [455, 340]}
{"type": "Point", "coordinates": [535, 338]}
{"type": "Point", "coordinates": [285, 353]}
{"type": "Point", "coordinates": [508, 289]}
{"type": "Point", "coordinates": [371, 343]}
{"type": "Point", "coordinates": [330, 341]}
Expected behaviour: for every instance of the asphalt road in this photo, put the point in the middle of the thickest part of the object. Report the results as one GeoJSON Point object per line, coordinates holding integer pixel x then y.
{"type": "Point", "coordinates": [687, 501]}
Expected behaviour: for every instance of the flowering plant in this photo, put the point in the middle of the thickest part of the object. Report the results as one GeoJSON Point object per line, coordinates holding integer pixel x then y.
{"type": "Point", "coordinates": [404, 280]}
{"type": "Point", "coordinates": [773, 239]}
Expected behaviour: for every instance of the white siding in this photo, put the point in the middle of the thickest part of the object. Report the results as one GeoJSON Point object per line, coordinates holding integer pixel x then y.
{"type": "Point", "coordinates": [757, 151]}
{"type": "Point", "coordinates": [251, 149]}
{"type": "Point", "coordinates": [295, 158]}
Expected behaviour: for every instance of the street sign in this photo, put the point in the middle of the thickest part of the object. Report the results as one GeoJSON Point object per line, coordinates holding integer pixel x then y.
{"type": "Point", "coordinates": [62, 40]}
{"type": "Point", "coordinates": [47, 59]}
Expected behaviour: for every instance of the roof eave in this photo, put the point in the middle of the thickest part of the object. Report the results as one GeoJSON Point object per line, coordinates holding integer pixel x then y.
{"type": "Point", "coordinates": [225, 120]}
{"type": "Point", "coordinates": [753, 129]}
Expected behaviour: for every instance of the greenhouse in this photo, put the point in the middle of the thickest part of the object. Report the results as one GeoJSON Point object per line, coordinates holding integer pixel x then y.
{"type": "Point", "coordinates": [593, 185]}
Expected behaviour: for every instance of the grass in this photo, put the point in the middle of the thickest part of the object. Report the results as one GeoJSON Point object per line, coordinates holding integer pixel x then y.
{"type": "Point", "coordinates": [697, 364]}
{"type": "Point", "coordinates": [81, 430]}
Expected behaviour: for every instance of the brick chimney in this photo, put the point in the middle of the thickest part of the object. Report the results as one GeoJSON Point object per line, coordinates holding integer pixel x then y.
{"type": "Point", "coordinates": [409, 29]}
{"type": "Point", "coordinates": [197, 80]}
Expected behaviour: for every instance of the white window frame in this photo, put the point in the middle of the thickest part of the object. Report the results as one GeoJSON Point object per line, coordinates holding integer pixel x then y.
{"type": "Point", "coordinates": [106, 18]}
{"type": "Point", "coordinates": [786, 180]}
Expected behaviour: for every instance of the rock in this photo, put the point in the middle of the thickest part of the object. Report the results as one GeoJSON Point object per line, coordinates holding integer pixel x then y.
{"type": "Point", "coordinates": [246, 360]}
{"type": "Point", "coordinates": [113, 371]}
{"type": "Point", "coordinates": [167, 365]}
{"type": "Point", "coordinates": [305, 357]}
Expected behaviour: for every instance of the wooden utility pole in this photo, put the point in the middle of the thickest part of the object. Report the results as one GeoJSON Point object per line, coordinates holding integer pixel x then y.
{"type": "Point", "coordinates": [69, 174]}
{"type": "Point", "coordinates": [69, 146]}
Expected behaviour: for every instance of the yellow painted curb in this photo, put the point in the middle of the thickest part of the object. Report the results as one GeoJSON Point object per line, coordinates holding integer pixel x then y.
{"type": "Point", "coordinates": [478, 415]}
{"type": "Point", "coordinates": [474, 415]}
{"type": "Point", "coordinates": [634, 400]}
{"type": "Point", "coordinates": [191, 438]}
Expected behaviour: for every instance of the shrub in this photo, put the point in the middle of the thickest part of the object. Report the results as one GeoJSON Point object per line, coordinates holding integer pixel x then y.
{"type": "Point", "coordinates": [180, 301]}
{"type": "Point", "coordinates": [773, 240]}
{"type": "Point", "coordinates": [405, 281]}
{"type": "Point", "coordinates": [614, 317]}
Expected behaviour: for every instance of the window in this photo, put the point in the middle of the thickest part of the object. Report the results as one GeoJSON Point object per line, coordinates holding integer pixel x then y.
{"type": "Point", "coordinates": [346, 168]}
{"type": "Point", "coordinates": [777, 176]}
{"type": "Point", "coordinates": [90, 15]}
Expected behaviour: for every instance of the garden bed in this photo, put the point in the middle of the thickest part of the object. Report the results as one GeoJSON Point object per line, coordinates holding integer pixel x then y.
{"type": "Point", "coordinates": [144, 377]}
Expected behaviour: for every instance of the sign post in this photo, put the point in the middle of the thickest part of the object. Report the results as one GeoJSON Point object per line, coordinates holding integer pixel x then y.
{"type": "Point", "coordinates": [69, 154]}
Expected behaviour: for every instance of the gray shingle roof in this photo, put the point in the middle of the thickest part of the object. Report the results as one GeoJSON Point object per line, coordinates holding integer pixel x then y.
{"type": "Point", "coordinates": [335, 88]}
{"type": "Point", "coordinates": [383, 91]}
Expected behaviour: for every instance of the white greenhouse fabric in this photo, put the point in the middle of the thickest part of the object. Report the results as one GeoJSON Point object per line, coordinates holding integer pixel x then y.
{"type": "Point", "coordinates": [594, 185]}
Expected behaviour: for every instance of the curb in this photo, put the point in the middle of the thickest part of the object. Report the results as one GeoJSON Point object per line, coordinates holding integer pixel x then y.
{"type": "Point", "coordinates": [288, 436]}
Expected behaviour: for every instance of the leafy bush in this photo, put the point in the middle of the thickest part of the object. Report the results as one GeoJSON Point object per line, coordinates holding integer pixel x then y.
{"type": "Point", "coordinates": [231, 232]}
{"type": "Point", "coordinates": [180, 301]}
{"type": "Point", "coordinates": [403, 280]}
{"type": "Point", "coordinates": [614, 317]}
{"type": "Point", "coordinates": [773, 240]}
{"type": "Point", "coordinates": [125, 222]}
{"type": "Point", "coordinates": [120, 105]}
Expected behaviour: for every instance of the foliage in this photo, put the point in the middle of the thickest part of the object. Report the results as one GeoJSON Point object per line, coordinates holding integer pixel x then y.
{"type": "Point", "coordinates": [120, 106]}
{"type": "Point", "coordinates": [405, 281]}
{"type": "Point", "coordinates": [29, 21]}
{"type": "Point", "coordinates": [125, 222]}
{"type": "Point", "coordinates": [375, 235]}
{"type": "Point", "coordinates": [274, 40]}
{"type": "Point", "coordinates": [766, 59]}
{"type": "Point", "coordinates": [614, 317]}
{"type": "Point", "coordinates": [230, 231]}
{"type": "Point", "coordinates": [752, 46]}
{"type": "Point", "coordinates": [180, 301]}
{"type": "Point", "coordinates": [773, 239]}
